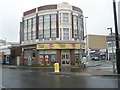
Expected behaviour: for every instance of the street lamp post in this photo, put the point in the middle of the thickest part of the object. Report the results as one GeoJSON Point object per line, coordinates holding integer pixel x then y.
{"type": "Point", "coordinates": [80, 41]}
{"type": "Point", "coordinates": [116, 37]}
{"type": "Point", "coordinates": [86, 37]}
{"type": "Point", "coordinates": [112, 50]}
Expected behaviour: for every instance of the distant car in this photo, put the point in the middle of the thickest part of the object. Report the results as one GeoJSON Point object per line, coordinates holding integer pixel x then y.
{"type": "Point", "coordinates": [95, 58]}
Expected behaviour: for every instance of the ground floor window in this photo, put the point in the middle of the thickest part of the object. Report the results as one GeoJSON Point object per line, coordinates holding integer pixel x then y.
{"type": "Point", "coordinates": [41, 59]}
{"type": "Point", "coordinates": [47, 57]}
{"type": "Point", "coordinates": [53, 58]}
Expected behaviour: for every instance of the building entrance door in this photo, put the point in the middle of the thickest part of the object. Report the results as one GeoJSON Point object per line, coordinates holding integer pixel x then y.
{"type": "Point", "coordinates": [65, 58]}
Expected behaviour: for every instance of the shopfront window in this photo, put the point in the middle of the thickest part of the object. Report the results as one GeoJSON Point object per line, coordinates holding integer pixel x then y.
{"type": "Point", "coordinates": [53, 58]}
{"type": "Point", "coordinates": [41, 58]}
{"type": "Point", "coordinates": [47, 57]}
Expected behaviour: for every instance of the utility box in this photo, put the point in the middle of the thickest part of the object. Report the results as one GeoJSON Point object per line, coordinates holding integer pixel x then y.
{"type": "Point", "coordinates": [56, 67]}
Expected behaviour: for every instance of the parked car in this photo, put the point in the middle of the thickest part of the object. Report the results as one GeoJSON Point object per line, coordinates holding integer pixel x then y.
{"type": "Point", "coordinates": [95, 58]}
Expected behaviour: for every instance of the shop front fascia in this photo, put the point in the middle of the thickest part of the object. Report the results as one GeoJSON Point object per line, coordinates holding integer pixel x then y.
{"type": "Point", "coordinates": [48, 54]}
{"type": "Point", "coordinates": [64, 54]}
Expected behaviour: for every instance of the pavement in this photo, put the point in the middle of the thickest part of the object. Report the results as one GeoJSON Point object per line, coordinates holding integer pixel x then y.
{"type": "Point", "coordinates": [90, 64]}
{"type": "Point", "coordinates": [93, 68]}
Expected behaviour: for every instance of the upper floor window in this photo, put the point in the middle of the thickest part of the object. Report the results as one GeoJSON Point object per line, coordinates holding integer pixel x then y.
{"type": "Point", "coordinates": [65, 18]}
{"type": "Point", "coordinates": [75, 34]}
{"type": "Point", "coordinates": [46, 20]}
{"type": "Point", "coordinates": [65, 33]}
{"type": "Point", "coordinates": [46, 34]}
{"type": "Point", "coordinates": [53, 34]}
{"type": "Point", "coordinates": [75, 20]}
{"type": "Point", "coordinates": [60, 34]}
{"type": "Point", "coordinates": [34, 24]}
{"type": "Point", "coordinates": [40, 35]}
{"type": "Point", "coordinates": [29, 23]}
{"type": "Point", "coordinates": [25, 25]}
{"type": "Point", "coordinates": [53, 19]}
{"type": "Point", "coordinates": [40, 20]}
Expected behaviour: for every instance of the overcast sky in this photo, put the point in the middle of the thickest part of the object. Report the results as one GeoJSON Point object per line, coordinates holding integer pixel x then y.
{"type": "Point", "coordinates": [99, 13]}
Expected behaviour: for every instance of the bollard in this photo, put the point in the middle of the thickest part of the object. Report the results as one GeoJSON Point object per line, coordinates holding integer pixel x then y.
{"type": "Point", "coordinates": [56, 67]}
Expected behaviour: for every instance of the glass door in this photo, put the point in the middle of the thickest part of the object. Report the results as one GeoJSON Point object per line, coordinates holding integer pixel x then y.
{"type": "Point", "coordinates": [65, 59]}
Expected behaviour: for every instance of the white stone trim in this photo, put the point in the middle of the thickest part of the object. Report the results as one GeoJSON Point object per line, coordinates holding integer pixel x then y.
{"type": "Point", "coordinates": [76, 14]}
{"type": "Point", "coordinates": [29, 16]}
{"type": "Point", "coordinates": [64, 6]}
{"type": "Point", "coordinates": [44, 12]}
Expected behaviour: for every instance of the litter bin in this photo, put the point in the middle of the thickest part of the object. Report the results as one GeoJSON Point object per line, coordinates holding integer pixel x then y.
{"type": "Point", "coordinates": [56, 67]}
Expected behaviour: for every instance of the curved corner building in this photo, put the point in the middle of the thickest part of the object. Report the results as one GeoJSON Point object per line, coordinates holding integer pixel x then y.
{"type": "Point", "coordinates": [52, 34]}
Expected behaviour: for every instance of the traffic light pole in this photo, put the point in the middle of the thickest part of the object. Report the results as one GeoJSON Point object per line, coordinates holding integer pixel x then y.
{"type": "Point", "coordinates": [117, 39]}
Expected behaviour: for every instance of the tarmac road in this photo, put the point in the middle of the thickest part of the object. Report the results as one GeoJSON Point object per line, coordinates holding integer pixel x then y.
{"type": "Point", "coordinates": [45, 78]}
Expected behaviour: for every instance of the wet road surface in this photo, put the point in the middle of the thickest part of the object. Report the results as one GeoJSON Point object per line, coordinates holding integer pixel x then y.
{"type": "Point", "coordinates": [42, 78]}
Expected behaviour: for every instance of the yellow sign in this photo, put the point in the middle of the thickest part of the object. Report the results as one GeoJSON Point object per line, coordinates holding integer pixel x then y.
{"type": "Point", "coordinates": [82, 46]}
{"type": "Point", "coordinates": [59, 46]}
{"type": "Point", "coordinates": [65, 51]}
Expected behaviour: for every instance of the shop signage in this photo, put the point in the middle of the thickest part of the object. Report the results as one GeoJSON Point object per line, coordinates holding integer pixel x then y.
{"type": "Point", "coordinates": [46, 59]}
{"type": "Point", "coordinates": [52, 58]}
{"type": "Point", "coordinates": [59, 46]}
{"type": "Point", "coordinates": [65, 51]}
{"type": "Point", "coordinates": [41, 59]}
{"type": "Point", "coordinates": [51, 46]}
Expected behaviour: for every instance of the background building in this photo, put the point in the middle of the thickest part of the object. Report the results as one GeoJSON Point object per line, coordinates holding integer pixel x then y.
{"type": "Point", "coordinates": [96, 46]}
{"type": "Point", "coordinates": [10, 53]}
{"type": "Point", "coordinates": [52, 33]}
{"type": "Point", "coordinates": [102, 46]}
